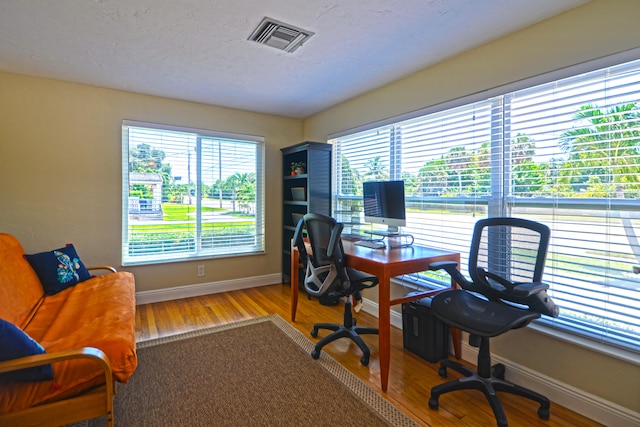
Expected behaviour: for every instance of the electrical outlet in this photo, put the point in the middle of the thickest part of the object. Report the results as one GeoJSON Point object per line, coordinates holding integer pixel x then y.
{"type": "Point", "coordinates": [200, 270]}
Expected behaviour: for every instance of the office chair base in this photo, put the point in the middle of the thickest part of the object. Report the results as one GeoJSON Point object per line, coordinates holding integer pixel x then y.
{"type": "Point", "coordinates": [497, 370]}
{"type": "Point", "coordinates": [341, 331]}
{"type": "Point", "coordinates": [489, 386]}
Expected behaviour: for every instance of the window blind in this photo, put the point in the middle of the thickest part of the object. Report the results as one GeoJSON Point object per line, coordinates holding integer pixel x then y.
{"type": "Point", "coordinates": [565, 153]}
{"type": "Point", "coordinates": [190, 193]}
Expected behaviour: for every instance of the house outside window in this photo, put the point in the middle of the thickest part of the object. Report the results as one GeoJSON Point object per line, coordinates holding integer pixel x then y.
{"type": "Point", "coordinates": [190, 193]}
{"type": "Point", "coordinates": [565, 153]}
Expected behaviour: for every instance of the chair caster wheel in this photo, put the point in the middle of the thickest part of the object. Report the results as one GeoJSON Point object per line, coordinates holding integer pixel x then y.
{"type": "Point", "coordinates": [364, 360]}
{"type": "Point", "coordinates": [543, 413]}
{"type": "Point", "coordinates": [442, 371]}
{"type": "Point", "coordinates": [315, 354]}
{"type": "Point", "coordinates": [314, 333]}
{"type": "Point", "coordinates": [433, 403]}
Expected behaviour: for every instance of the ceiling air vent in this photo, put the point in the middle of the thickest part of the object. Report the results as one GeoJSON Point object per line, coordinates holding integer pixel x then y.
{"type": "Point", "coordinates": [279, 35]}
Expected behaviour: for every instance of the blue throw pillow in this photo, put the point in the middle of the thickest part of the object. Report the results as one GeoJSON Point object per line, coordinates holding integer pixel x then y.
{"type": "Point", "coordinates": [15, 343]}
{"type": "Point", "coordinates": [58, 269]}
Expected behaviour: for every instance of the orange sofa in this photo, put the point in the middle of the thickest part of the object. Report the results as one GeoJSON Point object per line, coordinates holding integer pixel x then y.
{"type": "Point", "coordinates": [88, 330]}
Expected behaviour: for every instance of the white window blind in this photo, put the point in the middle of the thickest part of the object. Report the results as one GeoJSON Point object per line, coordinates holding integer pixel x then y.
{"type": "Point", "coordinates": [565, 153]}
{"type": "Point", "coordinates": [190, 193]}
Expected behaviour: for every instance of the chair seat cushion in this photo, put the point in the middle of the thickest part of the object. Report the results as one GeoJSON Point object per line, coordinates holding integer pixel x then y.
{"type": "Point", "coordinates": [468, 312]}
{"type": "Point", "coordinates": [360, 280]}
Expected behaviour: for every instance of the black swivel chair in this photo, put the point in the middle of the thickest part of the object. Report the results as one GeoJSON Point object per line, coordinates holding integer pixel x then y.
{"type": "Point", "coordinates": [327, 275]}
{"type": "Point", "coordinates": [506, 263]}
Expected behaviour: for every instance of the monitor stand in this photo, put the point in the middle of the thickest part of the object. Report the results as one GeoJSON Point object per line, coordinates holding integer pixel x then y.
{"type": "Point", "coordinates": [394, 237]}
{"type": "Point", "coordinates": [392, 230]}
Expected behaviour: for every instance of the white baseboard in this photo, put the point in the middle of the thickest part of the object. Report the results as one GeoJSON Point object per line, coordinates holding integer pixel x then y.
{"type": "Point", "coordinates": [587, 404]}
{"type": "Point", "coordinates": [187, 291]}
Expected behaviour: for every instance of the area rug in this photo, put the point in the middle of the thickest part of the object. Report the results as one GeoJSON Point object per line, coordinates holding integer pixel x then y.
{"type": "Point", "coordinates": [256, 372]}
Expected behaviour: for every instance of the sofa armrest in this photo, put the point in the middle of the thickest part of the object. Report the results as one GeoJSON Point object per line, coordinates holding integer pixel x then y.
{"type": "Point", "coordinates": [58, 356]}
{"type": "Point", "coordinates": [102, 267]}
{"type": "Point", "coordinates": [90, 404]}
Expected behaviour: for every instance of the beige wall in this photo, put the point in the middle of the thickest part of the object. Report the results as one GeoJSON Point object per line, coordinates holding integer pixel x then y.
{"type": "Point", "coordinates": [595, 30]}
{"type": "Point", "coordinates": [60, 172]}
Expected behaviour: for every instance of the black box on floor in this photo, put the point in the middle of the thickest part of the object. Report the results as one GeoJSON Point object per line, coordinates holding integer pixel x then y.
{"type": "Point", "coordinates": [422, 332]}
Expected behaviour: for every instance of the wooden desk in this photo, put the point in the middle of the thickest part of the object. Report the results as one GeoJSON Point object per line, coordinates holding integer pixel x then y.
{"type": "Point", "coordinates": [385, 263]}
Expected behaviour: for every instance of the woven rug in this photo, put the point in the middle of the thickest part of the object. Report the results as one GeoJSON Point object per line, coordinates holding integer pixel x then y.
{"type": "Point", "coordinates": [256, 372]}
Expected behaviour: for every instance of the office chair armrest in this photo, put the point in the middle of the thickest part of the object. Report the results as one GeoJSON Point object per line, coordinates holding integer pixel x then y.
{"type": "Point", "coordinates": [518, 289]}
{"type": "Point", "coordinates": [440, 265]}
{"type": "Point", "coordinates": [508, 286]}
{"type": "Point", "coordinates": [451, 267]}
{"type": "Point", "coordinates": [448, 266]}
{"type": "Point", "coordinates": [524, 290]}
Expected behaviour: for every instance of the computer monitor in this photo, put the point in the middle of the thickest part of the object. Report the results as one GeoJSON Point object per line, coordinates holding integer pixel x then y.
{"type": "Point", "coordinates": [384, 204]}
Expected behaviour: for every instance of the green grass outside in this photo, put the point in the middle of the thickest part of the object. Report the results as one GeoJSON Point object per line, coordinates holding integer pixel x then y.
{"type": "Point", "coordinates": [179, 222]}
{"type": "Point", "coordinates": [174, 212]}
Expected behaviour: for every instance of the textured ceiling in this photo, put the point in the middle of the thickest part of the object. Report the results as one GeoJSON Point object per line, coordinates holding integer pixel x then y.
{"type": "Point", "coordinates": [198, 50]}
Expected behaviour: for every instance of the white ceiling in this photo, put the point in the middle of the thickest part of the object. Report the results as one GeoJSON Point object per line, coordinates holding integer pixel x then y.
{"type": "Point", "coordinates": [197, 50]}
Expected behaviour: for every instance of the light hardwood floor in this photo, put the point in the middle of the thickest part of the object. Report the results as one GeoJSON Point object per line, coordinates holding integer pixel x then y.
{"type": "Point", "coordinates": [410, 377]}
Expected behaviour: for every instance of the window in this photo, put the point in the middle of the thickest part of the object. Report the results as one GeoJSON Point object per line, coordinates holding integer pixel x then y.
{"type": "Point", "coordinates": [189, 193]}
{"type": "Point", "coordinates": [565, 153]}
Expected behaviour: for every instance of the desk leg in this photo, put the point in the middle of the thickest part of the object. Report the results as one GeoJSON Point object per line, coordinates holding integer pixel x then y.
{"type": "Point", "coordinates": [294, 282]}
{"type": "Point", "coordinates": [384, 327]}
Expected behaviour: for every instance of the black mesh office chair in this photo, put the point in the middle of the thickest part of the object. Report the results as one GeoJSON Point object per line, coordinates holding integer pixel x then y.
{"type": "Point", "coordinates": [506, 262]}
{"type": "Point", "coordinates": [327, 275]}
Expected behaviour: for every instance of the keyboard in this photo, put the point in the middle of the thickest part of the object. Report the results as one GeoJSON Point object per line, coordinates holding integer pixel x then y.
{"type": "Point", "coordinates": [370, 244]}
